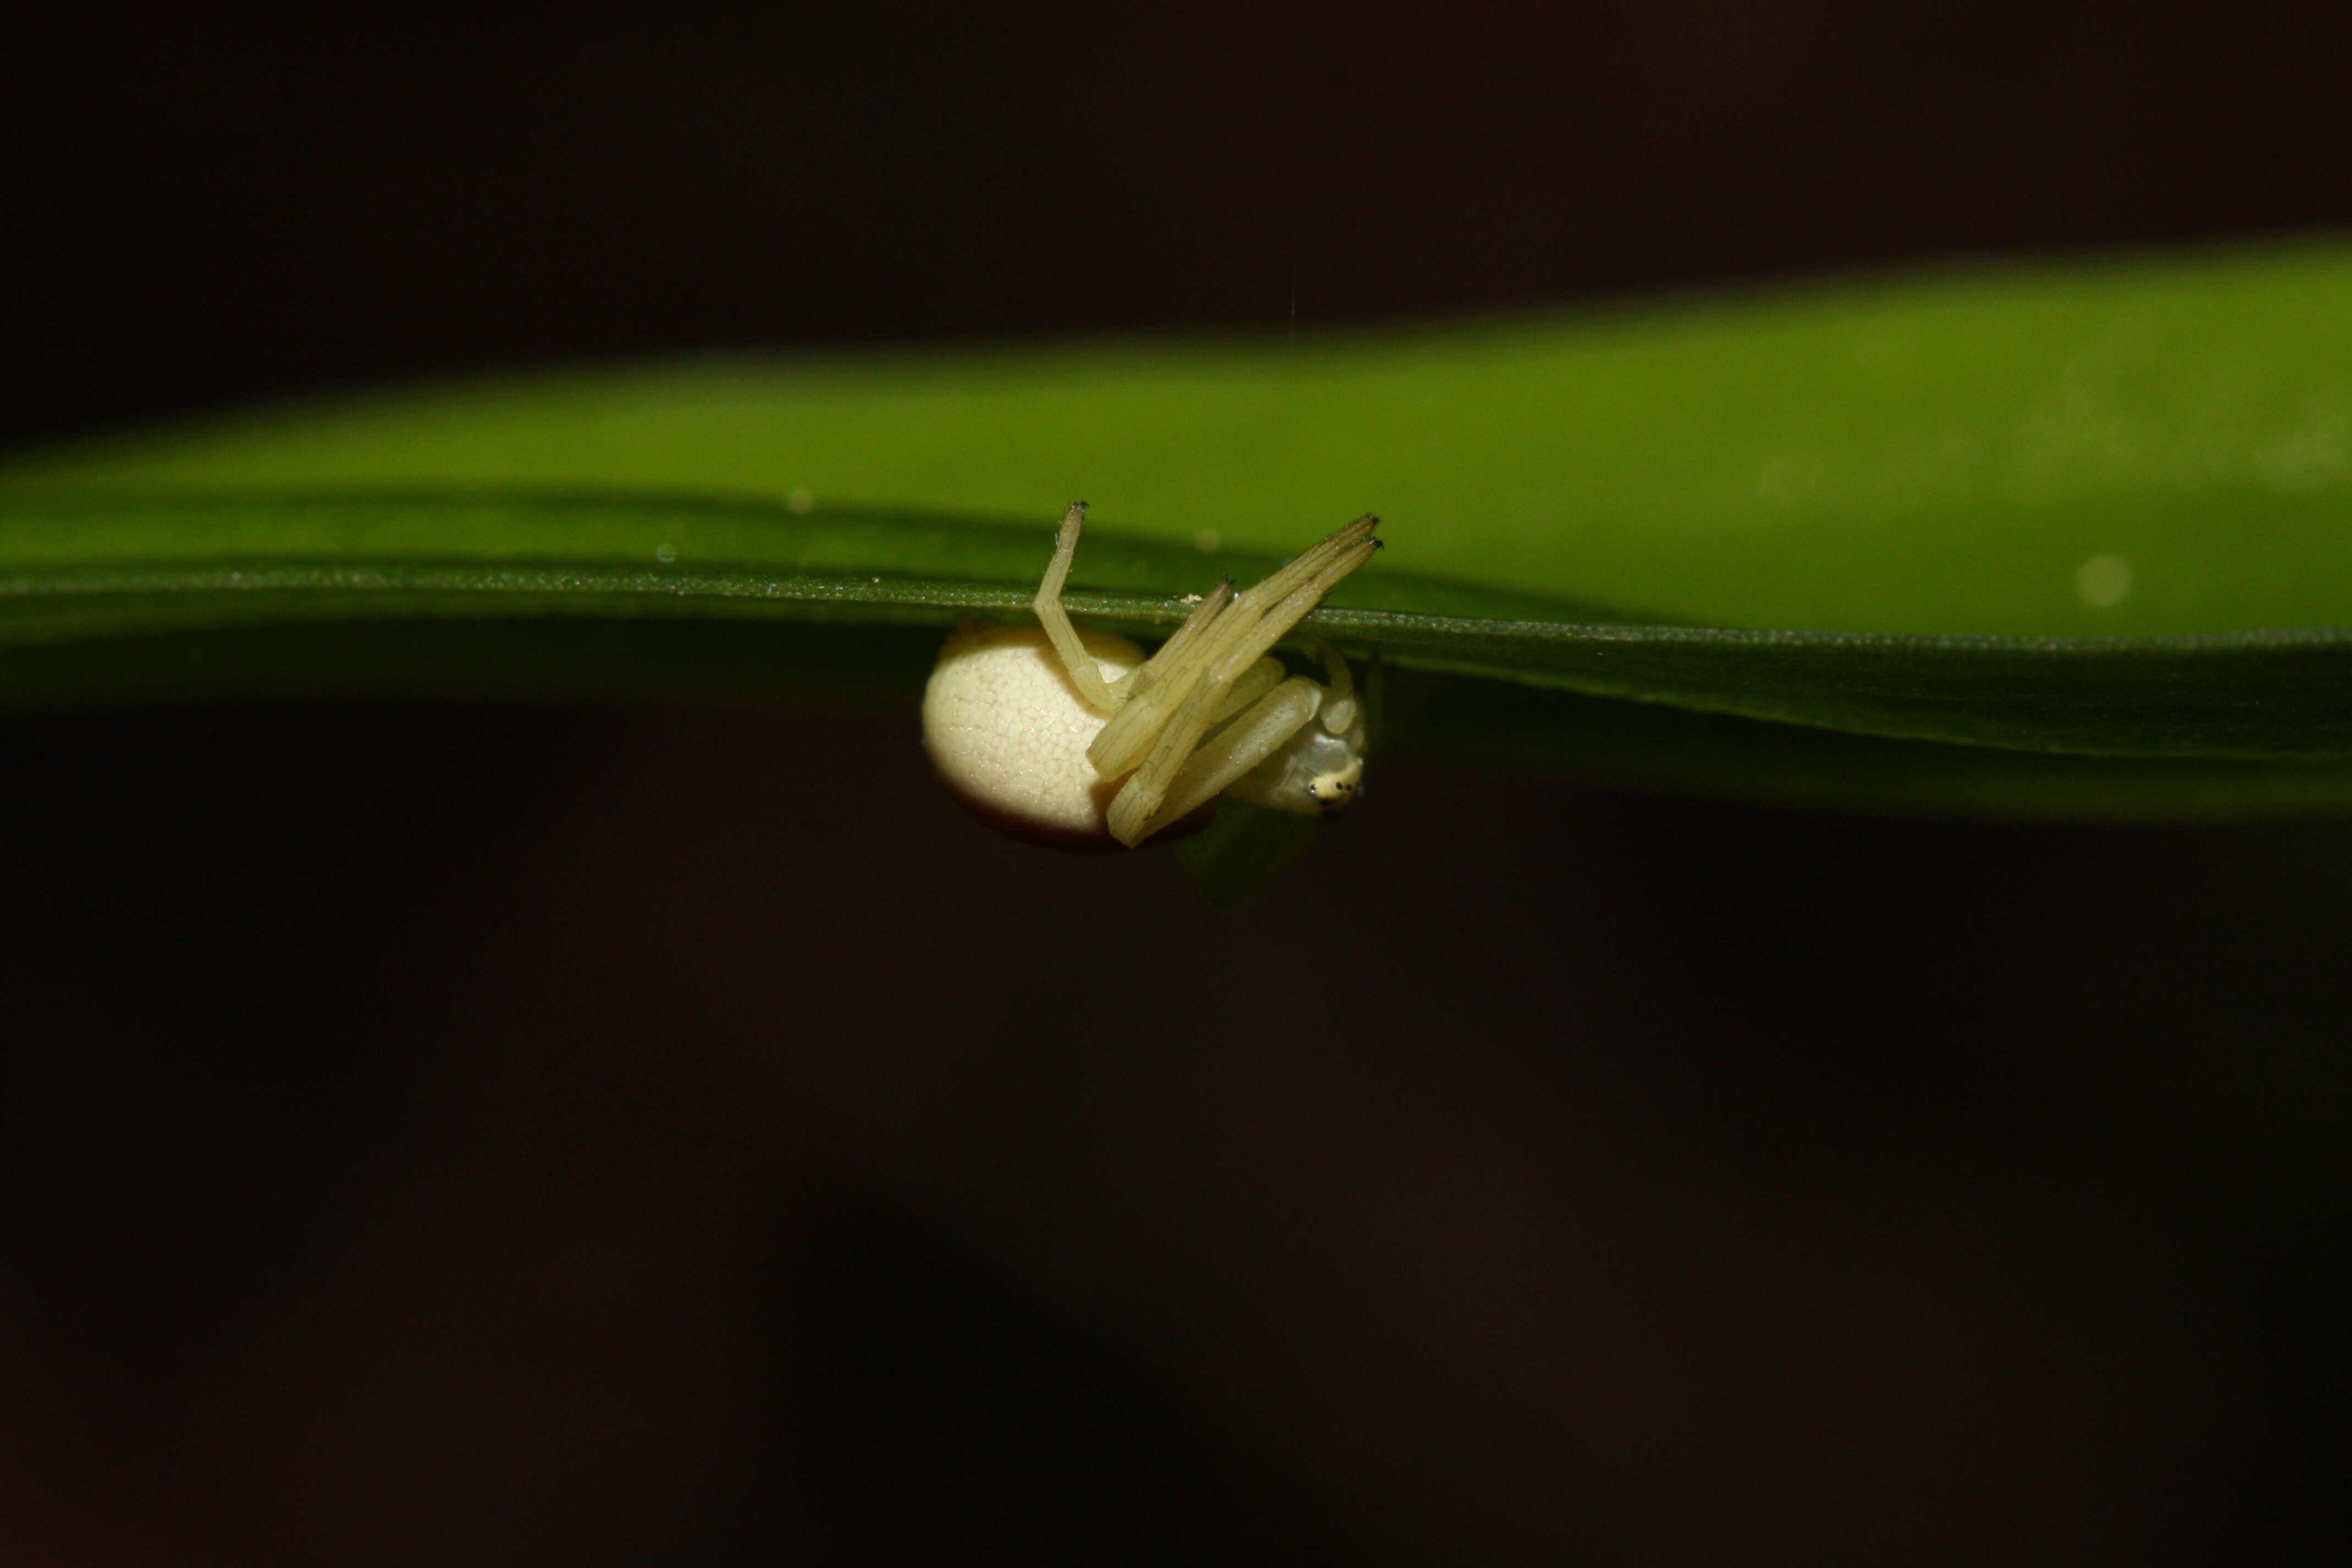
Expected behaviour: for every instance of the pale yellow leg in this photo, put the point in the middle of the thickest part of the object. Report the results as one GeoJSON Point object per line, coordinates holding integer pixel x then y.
{"type": "Point", "coordinates": [1338, 709]}
{"type": "Point", "coordinates": [1243, 636]}
{"type": "Point", "coordinates": [1172, 652]}
{"type": "Point", "coordinates": [1256, 682]}
{"type": "Point", "coordinates": [1234, 751]}
{"type": "Point", "coordinates": [1085, 674]}
{"type": "Point", "coordinates": [1130, 736]}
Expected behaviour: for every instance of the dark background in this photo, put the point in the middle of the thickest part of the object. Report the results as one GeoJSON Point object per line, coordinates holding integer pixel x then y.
{"type": "Point", "coordinates": [521, 1134]}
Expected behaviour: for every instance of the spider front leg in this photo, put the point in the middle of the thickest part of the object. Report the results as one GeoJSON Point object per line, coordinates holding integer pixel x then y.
{"type": "Point", "coordinates": [1320, 769]}
{"type": "Point", "coordinates": [1245, 634]}
{"type": "Point", "coordinates": [1233, 752]}
{"type": "Point", "coordinates": [1159, 690]}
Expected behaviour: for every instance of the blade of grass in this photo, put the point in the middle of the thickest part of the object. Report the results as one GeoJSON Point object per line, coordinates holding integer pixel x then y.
{"type": "Point", "coordinates": [2073, 539]}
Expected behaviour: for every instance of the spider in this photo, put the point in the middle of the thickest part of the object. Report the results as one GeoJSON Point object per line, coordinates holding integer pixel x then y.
{"type": "Point", "coordinates": [1075, 738]}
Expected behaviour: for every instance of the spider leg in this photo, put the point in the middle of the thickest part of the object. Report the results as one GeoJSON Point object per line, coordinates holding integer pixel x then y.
{"type": "Point", "coordinates": [1225, 756]}
{"type": "Point", "coordinates": [1173, 672]}
{"type": "Point", "coordinates": [1310, 563]}
{"type": "Point", "coordinates": [1085, 674]}
{"type": "Point", "coordinates": [1339, 714]}
{"type": "Point", "coordinates": [1172, 653]}
{"type": "Point", "coordinates": [1244, 635]}
{"type": "Point", "coordinates": [1253, 683]}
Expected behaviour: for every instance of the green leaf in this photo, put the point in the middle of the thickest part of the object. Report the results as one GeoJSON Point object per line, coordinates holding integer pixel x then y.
{"type": "Point", "coordinates": [2072, 541]}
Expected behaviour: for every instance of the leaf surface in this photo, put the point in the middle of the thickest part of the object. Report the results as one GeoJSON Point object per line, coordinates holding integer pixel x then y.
{"type": "Point", "coordinates": [2076, 536]}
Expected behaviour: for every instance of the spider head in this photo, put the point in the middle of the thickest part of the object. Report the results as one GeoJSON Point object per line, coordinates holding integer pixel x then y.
{"type": "Point", "coordinates": [1331, 791]}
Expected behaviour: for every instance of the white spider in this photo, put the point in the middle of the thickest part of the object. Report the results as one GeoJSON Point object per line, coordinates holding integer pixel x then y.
{"type": "Point", "coordinates": [1075, 738]}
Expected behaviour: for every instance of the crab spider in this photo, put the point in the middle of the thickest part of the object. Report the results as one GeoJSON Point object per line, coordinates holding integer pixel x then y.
{"type": "Point", "coordinates": [1076, 738]}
